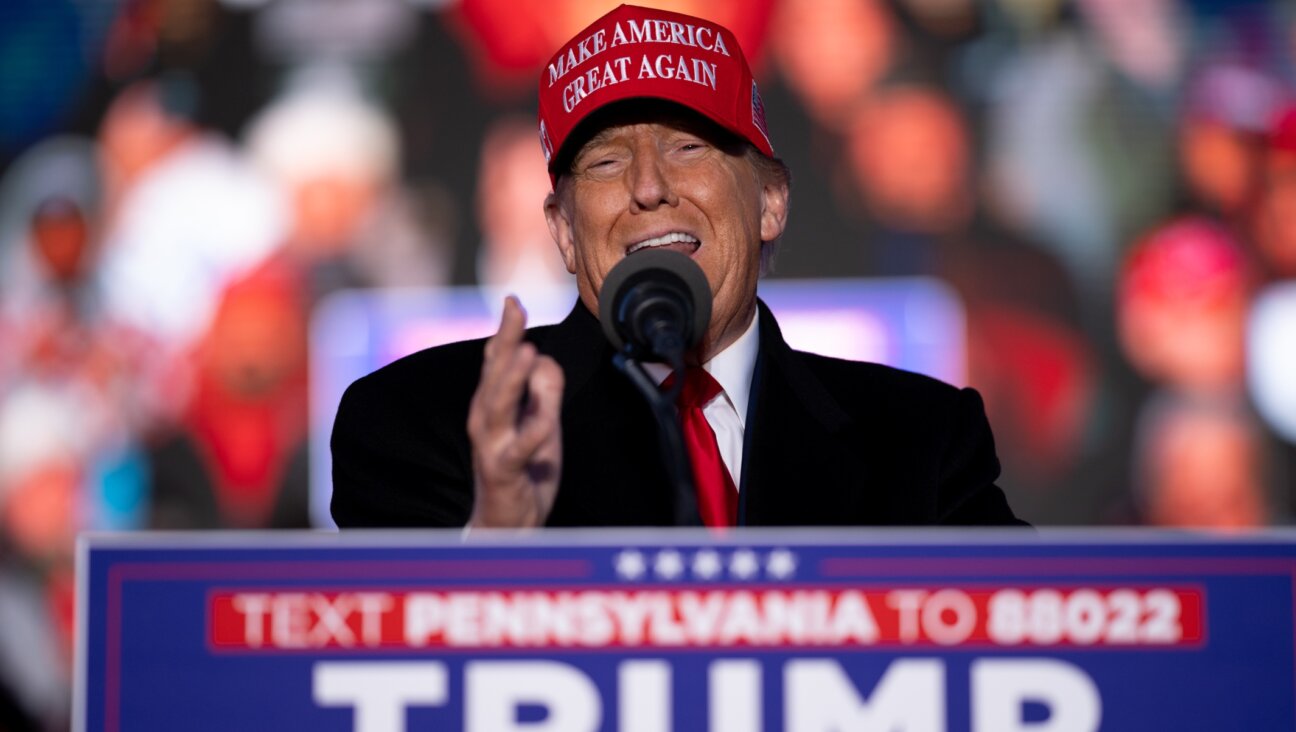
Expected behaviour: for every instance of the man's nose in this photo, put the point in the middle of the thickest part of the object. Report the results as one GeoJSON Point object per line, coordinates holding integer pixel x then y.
{"type": "Point", "coordinates": [650, 183]}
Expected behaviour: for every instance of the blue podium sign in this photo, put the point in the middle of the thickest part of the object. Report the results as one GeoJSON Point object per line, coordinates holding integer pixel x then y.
{"type": "Point", "coordinates": [659, 631]}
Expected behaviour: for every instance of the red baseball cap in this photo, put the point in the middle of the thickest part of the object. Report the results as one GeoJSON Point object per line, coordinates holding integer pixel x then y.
{"type": "Point", "coordinates": [634, 52]}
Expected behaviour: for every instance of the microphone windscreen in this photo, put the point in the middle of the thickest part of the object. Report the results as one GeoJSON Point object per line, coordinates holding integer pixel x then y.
{"type": "Point", "coordinates": [664, 266]}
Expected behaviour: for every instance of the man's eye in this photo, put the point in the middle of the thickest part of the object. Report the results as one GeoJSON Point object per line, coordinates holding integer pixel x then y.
{"type": "Point", "coordinates": [602, 163]}
{"type": "Point", "coordinates": [595, 164]}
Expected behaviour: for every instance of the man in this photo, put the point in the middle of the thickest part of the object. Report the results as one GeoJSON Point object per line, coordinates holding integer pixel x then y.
{"type": "Point", "coordinates": [655, 137]}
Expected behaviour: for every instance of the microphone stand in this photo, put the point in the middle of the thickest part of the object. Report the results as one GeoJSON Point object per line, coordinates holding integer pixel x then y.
{"type": "Point", "coordinates": [669, 436]}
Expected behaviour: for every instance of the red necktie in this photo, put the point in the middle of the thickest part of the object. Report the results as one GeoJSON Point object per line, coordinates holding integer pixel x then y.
{"type": "Point", "coordinates": [717, 496]}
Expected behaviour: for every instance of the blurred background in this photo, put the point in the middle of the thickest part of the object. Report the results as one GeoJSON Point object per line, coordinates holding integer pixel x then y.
{"type": "Point", "coordinates": [1109, 187]}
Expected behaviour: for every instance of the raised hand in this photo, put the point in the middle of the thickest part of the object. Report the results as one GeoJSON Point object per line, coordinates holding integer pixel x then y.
{"type": "Point", "coordinates": [514, 424]}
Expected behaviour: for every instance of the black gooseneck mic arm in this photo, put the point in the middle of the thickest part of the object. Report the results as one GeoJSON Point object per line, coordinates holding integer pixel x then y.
{"type": "Point", "coordinates": [655, 305]}
{"type": "Point", "coordinates": [669, 437]}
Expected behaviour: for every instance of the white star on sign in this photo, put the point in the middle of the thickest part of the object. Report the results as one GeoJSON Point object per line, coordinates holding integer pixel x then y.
{"type": "Point", "coordinates": [706, 564]}
{"type": "Point", "coordinates": [744, 564]}
{"type": "Point", "coordinates": [780, 564]}
{"type": "Point", "coordinates": [669, 564]}
{"type": "Point", "coordinates": [630, 564]}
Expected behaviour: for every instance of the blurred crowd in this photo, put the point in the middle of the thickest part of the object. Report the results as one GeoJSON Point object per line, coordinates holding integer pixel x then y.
{"type": "Point", "coordinates": [1109, 185]}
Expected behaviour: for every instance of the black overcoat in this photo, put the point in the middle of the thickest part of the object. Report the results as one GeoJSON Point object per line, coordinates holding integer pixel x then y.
{"type": "Point", "coordinates": [828, 442]}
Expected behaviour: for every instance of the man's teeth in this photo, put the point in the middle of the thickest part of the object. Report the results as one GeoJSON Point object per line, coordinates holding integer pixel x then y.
{"type": "Point", "coordinates": [662, 241]}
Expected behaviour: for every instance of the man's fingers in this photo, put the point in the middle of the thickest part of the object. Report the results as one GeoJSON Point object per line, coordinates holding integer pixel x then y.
{"type": "Point", "coordinates": [512, 326]}
{"type": "Point", "coordinates": [500, 395]}
{"type": "Point", "coordinates": [517, 466]}
{"type": "Point", "coordinates": [505, 367]}
{"type": "Point", "coordinates": [517, 405]}
{"type": "Point", "coordinates": [512, 323]}
{"type": "Point", "coordinates": [547, 384]}
{"type": "Point", "coordinates": [545, 409]}
{"type": "Point", "coordinates": [504, 399]}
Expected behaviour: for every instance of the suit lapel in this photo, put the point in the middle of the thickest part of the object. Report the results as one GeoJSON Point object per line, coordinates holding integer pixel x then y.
{"type": "Point", "coordinates": [799, 451]}
{"type": "Point", "coordinates": [612, 469]}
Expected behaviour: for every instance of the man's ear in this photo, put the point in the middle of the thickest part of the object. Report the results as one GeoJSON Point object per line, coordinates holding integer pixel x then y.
{"type": "Point", "coordinates": [560, 228]}
{"type": "Point", "coordinates": [774, 210]}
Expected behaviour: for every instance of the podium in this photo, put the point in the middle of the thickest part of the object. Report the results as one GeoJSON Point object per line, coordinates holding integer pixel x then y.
{"type": "Point", "coordinates": [682, 630]}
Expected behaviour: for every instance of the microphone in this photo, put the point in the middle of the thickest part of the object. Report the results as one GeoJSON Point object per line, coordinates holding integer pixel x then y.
{"type": "Point", "coordinates": [655, 305]}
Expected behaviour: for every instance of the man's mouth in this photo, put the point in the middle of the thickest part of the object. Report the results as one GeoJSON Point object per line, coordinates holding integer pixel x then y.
{"type": "Point", "coordinates": [675, 240]}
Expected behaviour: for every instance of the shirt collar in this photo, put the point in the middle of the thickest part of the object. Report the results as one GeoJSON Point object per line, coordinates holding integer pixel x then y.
{"type": "Point", "coordinates": [732, 368]}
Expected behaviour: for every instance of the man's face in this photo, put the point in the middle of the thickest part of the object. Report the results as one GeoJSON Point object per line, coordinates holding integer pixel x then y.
{"type": "Point", "coordinates": [670, 182]}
